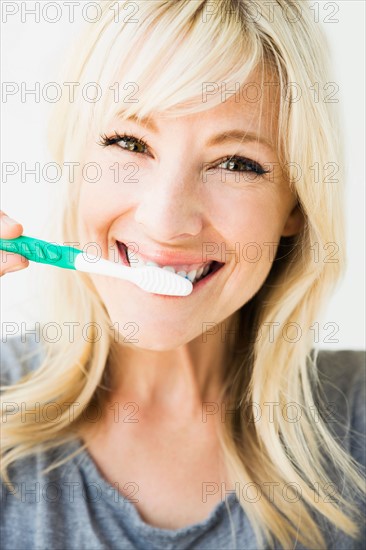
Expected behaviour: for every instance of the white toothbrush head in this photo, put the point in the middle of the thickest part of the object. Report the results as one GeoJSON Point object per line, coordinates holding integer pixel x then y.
{"type": "Point", "coordinates": [160, 281]}
{"type": "Point", "coordinates": [150, 278]}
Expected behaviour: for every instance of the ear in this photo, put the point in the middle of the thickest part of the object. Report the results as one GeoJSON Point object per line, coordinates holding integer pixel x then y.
{"type": "Point", "coordinates": [295, 222]}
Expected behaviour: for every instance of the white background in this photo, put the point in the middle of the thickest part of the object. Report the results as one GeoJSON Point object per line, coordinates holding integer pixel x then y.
{"type": "Point", "coordinates": [31, 52]}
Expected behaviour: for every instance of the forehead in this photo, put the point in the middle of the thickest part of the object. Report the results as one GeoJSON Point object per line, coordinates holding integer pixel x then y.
{"type": "Point", "coordinates": [254, 108]}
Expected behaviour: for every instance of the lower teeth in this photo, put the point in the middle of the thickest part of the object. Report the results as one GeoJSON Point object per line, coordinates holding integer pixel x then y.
{"type": "Point", "coordinates": [184, 277]}
{"type": "Point", "coordinates": [195, 280]}
{"type": "Point", "coordinates": [202, 276]}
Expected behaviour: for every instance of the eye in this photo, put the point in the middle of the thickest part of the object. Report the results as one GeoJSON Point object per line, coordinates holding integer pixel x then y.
{"type": "Point", "coordinates": [130, 143]}
{"type": "Point", "coordinates": [241, 164]}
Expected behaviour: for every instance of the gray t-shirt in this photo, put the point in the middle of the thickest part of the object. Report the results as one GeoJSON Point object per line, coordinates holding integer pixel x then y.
{"type": "Point", "coordinates": [74, 507]}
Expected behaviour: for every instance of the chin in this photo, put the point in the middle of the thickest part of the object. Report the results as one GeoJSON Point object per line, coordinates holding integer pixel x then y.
{"type": "Point", "coordinates": [149, 333]}
{"type": "Point", "coordinates": [154, 341]}
{"type": "Point", "coordinates": [150, 345]}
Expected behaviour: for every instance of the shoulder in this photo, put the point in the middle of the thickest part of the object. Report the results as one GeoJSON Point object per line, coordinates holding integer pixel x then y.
{"type": "Point", "coordinates": [342, 374]}
{"type": "Point", "coordinates": [343, 366]}
{"type": "Point", "coordinates": [20, 355]}
{"type": "Point", "coordinates": [341, 395]}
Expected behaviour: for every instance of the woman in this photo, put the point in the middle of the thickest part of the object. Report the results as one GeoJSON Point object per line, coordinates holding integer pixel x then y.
{"type": "Point", "coordinates": [206, 421]}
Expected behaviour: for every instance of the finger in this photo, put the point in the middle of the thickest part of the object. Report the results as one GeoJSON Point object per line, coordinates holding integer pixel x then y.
{"type": "Point", "coordinates": [9, 228]}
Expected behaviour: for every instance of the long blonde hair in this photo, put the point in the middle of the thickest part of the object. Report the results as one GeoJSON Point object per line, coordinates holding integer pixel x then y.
{"type": "Point", "coordinates": [162, 55]}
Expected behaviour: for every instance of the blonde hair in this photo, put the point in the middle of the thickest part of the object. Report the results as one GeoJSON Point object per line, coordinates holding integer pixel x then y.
{"type": "Point", "coordinates": [173, 49]}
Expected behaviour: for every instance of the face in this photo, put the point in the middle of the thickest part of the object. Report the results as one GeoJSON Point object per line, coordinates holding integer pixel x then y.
{"type": "Point", "coordinates": [178, 200]}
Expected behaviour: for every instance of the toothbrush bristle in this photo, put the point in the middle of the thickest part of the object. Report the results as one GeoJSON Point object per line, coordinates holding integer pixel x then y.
{"type": "Point", "coordinates": [149, 278]}
{"type": "Point", "coordinates": [159, 281]}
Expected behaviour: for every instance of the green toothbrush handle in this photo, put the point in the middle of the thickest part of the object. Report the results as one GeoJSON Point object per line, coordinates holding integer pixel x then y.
{"type": "Point", "coordinates": [41, 251]}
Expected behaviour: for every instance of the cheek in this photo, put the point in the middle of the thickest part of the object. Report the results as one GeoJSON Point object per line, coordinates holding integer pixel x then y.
{"type": "Point", "coordinates": [92, 212]}
{"type": "Point", "coordinates": [250, 221]}
{"type": "Point", "coordinates": [100, 203]}
{"type": "Point", "coordinates": [251, 232]}
{"type": "Point", "coordinates": [96, 201]}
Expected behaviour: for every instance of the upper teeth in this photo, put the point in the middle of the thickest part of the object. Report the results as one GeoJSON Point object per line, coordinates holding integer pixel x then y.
{"type": "Point", "coordinates": [192, 274]}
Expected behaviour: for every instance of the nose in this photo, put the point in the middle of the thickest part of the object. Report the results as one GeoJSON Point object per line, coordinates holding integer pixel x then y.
{"type": "Point", "coordinates": [170, 208]}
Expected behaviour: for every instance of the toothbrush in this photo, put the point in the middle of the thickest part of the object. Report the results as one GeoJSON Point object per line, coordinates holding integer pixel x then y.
{"type": "Point", "coordinates": [150, 278]}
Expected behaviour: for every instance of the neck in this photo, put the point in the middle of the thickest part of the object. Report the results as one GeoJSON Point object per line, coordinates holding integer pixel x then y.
{"type": "Point", "coordinates": [178, 380]}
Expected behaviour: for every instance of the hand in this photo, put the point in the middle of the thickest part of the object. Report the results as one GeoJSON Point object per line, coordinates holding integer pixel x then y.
{"type": "Point", "coordinates": [10, 229]}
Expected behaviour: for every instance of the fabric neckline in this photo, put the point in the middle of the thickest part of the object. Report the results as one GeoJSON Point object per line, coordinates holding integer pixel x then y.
{"type": "Point", "coordinates": [87, 465]}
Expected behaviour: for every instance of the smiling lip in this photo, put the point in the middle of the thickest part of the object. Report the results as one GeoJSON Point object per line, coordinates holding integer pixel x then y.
{"type": "Point", "coordinates": [216, 266]}
{"type": "Point", "coordinates": [165, 257]}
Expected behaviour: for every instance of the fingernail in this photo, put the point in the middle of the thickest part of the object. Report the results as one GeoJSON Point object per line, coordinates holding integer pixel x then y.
{"type": "Point", "coordinates": [9, 221]}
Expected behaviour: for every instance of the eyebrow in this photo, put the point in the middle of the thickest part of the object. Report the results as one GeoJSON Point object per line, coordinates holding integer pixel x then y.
{"type": "Point", "coordinates": [235, 135]}
{"type": "Point", "coordinates": [238, 135]}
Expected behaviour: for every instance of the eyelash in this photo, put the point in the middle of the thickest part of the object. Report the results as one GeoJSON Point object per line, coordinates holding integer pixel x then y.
{"type": "Point", "coordinates": [106, 141]}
